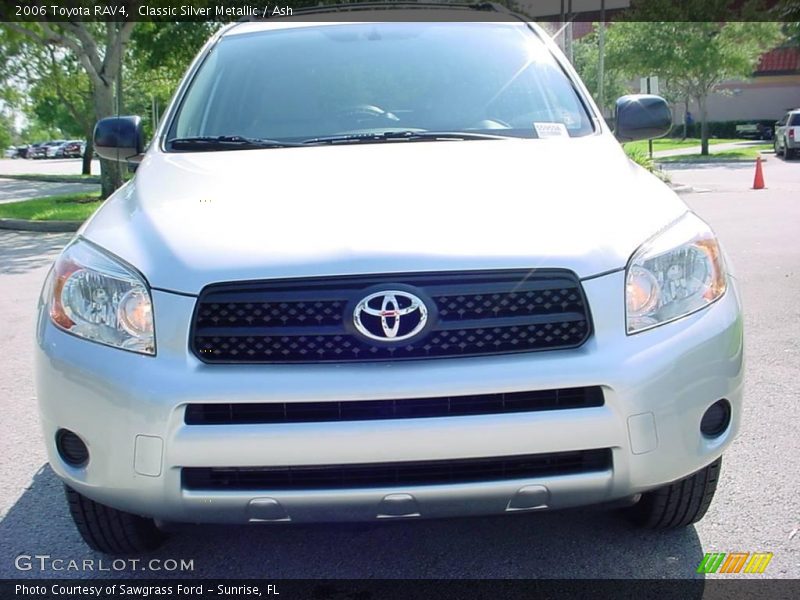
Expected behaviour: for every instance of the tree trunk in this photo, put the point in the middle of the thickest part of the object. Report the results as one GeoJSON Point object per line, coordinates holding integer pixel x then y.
{"type": "Point", "coordinates": [701, 103]}
{"type": "Point", "coordinates": [86, 167]}
{"type": "Point", "coordinates": [110, 171]}
{"type": "Point", "coordinates": [685, 118]}
{"type": "Point", "coordinates": [601, 58]}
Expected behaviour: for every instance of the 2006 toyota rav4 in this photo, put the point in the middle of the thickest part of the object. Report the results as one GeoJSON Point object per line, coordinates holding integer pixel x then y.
{"type": "Point", "coordinates": [386, 270]}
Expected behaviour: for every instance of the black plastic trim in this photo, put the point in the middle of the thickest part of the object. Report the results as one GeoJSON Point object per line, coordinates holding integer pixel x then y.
{"type": "Point", "coordinates": [408, 408]}
{"type": "Point", "coordinates": [376, 475]}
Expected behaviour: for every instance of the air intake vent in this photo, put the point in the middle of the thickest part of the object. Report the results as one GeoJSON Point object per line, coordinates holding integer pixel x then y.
{"type": "Point", "coordinates": [372, 475]}
{"type": "Point", "coordinates": [366, 410]}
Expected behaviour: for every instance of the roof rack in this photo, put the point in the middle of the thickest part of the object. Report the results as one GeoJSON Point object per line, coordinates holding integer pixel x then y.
{"type": "Point", "coordinates": [386, 5]}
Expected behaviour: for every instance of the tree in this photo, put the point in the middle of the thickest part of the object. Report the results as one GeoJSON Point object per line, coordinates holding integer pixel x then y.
{"type": "Point", "coordinates": [788, 12]}
{"type": "Point", "coordinates": [52, 86]}
{"type": "Point", "coordinates": [61, 97]}
{"type": "Point", "coordinates": [36, 131]}
{"type": "Point", "coordinates": [7, 132]}
{"type": "Point", "coordinates": [98, 48]}
{"type": "Point", "coordinates": [586, 61]}
{"type": "Point", "coordinates": [159, 55]}
{"type": "Point", "coordinates": [692, 56]}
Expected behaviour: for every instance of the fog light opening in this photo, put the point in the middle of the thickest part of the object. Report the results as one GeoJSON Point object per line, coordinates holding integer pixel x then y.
{"type": "Point", "coordinates": [716, 419]}
{"type": "Point", "coordinates": [71, 448]}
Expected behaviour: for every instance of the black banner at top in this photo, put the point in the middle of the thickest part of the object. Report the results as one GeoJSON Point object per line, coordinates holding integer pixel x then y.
{"type": "Point", "coordinates": [398, 10]}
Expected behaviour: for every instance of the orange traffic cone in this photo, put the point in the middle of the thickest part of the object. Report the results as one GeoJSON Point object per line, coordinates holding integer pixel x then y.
{"type": "Point", "coordinates": [758, 182]}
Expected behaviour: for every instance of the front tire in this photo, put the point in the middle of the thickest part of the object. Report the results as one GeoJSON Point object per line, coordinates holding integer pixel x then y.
{"type": "Point", "coordinates": [678, 504]}
{"type": "Point", "coordinates": [112, 531]}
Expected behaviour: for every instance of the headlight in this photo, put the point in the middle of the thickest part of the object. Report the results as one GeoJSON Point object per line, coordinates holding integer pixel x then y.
{"type": "Point", "coordinates": [677, 272]}
{"type": "Point", "coordinates": [96, 297]}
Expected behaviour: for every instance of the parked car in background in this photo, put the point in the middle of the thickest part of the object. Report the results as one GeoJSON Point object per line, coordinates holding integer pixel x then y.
{"type": "Point", "coordinates": [787, 134]}
{"type": "Point", "coordinates": [59, 151]}
{"type": "Point", "coordinates": [73, 149]}
{"type": "Point", "coordinates": [45, 149]}
{"type": "Point", "coordinates": [53, 147]}
{"type": "Point", "coordinates": [11, 152]}
{"type": "Point", "coordinates": [754, 131]}
{"type": "Point", "coordinates": [37, 150]}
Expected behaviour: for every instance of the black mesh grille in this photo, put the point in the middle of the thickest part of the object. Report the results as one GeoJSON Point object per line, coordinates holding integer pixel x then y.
{"type": "Point", "coordinates": [270, 314]}
{"type": "Point", "coordinates": [310, 320]}
{"type": "Point", "coordinates": [429, 472]}
{"type": "Point", "coordinates": [365, 410]}
{"type": "Point", "coordinates": [511, 304]}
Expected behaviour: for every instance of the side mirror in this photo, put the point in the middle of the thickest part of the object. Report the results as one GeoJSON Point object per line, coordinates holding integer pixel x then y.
{"type": "Point", "coordinates": [641, 117]}
{"type": "Point", "coordinates": [118, 138]}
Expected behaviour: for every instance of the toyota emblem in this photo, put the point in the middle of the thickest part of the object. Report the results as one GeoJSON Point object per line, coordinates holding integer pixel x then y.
{"type": "Point", "coordinates": [390, 316]}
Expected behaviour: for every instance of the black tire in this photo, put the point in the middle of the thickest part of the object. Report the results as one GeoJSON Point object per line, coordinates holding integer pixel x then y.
{"type": "Point", "coordinates": [678, 504]}
{"type": "Point", "coordinates": [112, 531]}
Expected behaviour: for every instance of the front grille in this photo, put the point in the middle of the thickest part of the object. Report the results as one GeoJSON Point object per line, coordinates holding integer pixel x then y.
{"type": "Point", "coordinates": [370, 475]}
{"type": "Point", "coordinates": [365, 410]}
{"type": "Point", "coordinates": [311, 320]}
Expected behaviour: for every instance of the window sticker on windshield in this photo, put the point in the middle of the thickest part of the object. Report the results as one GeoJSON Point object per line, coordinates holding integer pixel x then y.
{"type": "Point", "coordinates": [549, 130]}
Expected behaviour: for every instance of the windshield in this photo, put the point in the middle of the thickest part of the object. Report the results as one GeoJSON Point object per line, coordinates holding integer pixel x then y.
{"type": "Point", "coordinates": [301, 84]}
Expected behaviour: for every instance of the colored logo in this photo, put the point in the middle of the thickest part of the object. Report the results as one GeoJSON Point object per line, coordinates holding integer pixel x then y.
{"type": "Point", "coordinates": [734, 562]}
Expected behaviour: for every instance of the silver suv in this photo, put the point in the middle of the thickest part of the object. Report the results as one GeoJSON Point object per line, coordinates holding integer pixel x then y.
{"type": "Point", "coordinates": [386, 270]}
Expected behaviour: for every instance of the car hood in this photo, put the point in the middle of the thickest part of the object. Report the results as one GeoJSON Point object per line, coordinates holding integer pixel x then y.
{"type": "Point", "coordinates": [190, 219]}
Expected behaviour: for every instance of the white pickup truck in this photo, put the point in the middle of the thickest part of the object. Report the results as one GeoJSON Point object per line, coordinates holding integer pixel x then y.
{"type": "Point", "coordinates": [787, 134]}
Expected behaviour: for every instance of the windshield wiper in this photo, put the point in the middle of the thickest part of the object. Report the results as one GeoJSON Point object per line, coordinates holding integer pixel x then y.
{"type": "Point", "coordinates": [225, 142]}
{"type": "Point", "coordinates": [386, 136]}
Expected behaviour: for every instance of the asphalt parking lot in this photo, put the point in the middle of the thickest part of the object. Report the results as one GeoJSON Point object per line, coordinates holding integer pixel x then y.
{"type": "Point", "coordinates": [757, 507]}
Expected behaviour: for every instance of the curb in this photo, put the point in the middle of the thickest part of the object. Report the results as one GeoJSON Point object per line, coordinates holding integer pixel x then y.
{"type": "Point", "coordinates": [49, 226]}
{"type": "Point", "coordinates": [53, 179]}
{"type": "Point", "coordinates": [680, 188]}
{"type": "Point", "coordinates": [709, 162]}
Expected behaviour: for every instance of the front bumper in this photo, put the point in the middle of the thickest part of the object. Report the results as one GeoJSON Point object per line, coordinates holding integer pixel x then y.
{"type": "Point", "coordinates": [129, 409]}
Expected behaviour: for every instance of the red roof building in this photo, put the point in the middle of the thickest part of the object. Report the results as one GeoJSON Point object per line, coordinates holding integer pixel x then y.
{"type": "Point", "coordinates": [781, 61]}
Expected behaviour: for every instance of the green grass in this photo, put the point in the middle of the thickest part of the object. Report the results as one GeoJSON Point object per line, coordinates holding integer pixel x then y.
{"type": "Point", "coordinates": [672, 144]}
{"type": "Point", "coordinates": [54, 178]}
{"type": "Point", "coordinates": [742, 154]}
{"type": "Point", "coordinates": [641, 157]}
{"type": "Point", "coordinates": [69, 207]}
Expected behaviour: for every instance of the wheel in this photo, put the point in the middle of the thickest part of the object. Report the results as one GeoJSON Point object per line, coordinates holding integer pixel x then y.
{"type": "Point", "coordinates": [678, 504]}
{"type": "Point", "coordinates": [787, 152]}
{"type": "Point", "coordinates": [775, 147]}
{"type": "Point", "coordinates": [112, 531]}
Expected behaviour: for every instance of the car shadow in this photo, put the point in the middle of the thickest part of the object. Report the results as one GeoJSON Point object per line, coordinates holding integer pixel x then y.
{"type": "Point", "coordinates": [23, 251]}
{"type": "Point", "coordinates": [567, 544]}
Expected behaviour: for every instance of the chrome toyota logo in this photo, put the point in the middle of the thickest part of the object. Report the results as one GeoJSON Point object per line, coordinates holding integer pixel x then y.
{"type": "Point", "coordinates": [390, 316]}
